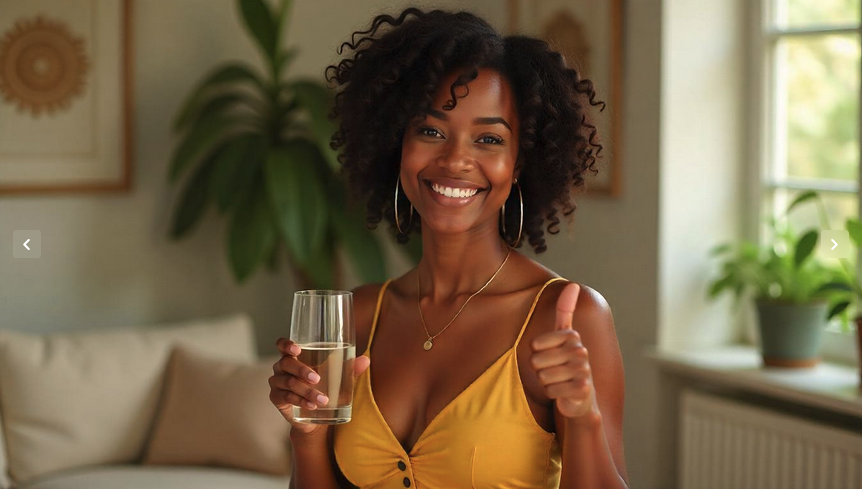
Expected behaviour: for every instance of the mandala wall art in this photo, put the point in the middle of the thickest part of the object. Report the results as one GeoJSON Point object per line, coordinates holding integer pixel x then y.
{"type": "Point", "coordinates": [589, 34]}
{"type": "Point", "coordinates": [65, 96]}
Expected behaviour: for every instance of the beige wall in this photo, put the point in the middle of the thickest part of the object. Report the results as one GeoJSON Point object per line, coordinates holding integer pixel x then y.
{"type": "Point", "coordinates": [106, 260]}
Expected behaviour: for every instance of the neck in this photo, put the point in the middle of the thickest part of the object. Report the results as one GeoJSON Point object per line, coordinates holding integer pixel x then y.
{"type": "Point", "coordinates": [455, 265]}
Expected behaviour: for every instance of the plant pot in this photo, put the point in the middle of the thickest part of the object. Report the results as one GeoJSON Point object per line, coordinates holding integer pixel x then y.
{"type": "Point", "coordinates": [790, 334]}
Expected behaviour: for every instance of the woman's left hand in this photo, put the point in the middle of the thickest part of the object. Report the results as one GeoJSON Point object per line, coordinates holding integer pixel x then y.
{"type": "Point", "coordinates": [562, 362]}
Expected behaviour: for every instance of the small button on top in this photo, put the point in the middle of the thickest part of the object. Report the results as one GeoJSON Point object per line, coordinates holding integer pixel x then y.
{"type": "Point", "coordinates": [402, 465]}
{"type": "Point", "coordinates": [406, 482]}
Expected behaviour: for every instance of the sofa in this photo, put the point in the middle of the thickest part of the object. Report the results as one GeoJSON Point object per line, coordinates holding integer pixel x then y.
{"type": "Point", "coordinates": [168, 406]}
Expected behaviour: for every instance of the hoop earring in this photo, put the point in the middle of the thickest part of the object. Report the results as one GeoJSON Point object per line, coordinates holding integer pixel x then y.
{"type": "Point", "coordinates": [409, 219]}
{"type": "Point", "coordinates": [521, 220]}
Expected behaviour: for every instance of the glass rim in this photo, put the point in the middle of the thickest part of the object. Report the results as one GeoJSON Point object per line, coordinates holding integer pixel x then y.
{"type": "Point", "coordinates": [322, 293]}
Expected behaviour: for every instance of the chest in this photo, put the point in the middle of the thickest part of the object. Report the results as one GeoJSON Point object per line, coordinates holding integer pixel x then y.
{"type": "Point", "coordinates": [412, 386]}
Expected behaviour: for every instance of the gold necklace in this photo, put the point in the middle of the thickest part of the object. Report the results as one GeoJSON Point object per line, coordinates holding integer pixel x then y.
{"type": "Point", "coordinates": [428, 344]}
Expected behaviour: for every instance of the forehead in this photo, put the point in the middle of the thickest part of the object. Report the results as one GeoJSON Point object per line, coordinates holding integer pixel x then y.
{"type": "Point", "coordinates": [490, 95]}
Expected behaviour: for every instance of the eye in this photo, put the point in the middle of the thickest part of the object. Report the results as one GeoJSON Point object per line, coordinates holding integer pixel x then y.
{"type": "Point", "coordinates": [429, 131]}
{"type": "Point", "coordinates": [491, 140]}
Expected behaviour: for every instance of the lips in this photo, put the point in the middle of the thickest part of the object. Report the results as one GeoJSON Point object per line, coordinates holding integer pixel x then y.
{"type": "Point", "coordinates": [452, 193]}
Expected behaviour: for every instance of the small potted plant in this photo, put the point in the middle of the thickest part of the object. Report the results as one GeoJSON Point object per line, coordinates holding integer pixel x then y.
{"type": "Point", "coordinates": [793, 298]}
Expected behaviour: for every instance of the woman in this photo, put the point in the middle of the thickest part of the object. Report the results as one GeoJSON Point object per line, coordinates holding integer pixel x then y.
{"type": "Point", "coordinates": [489, 369]}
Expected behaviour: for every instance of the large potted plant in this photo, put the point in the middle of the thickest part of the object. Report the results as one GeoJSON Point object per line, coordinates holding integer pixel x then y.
{"type": "Point", "coordinates": [256, 146]}
{"type": "Point", "coordinates": [792, 298]}
{"type": "Point", "coordinates": [846, 288]}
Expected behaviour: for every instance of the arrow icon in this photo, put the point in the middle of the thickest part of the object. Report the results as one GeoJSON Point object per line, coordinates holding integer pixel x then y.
{"type": "Point", "coordinates": [833, 246]}
{"type": "Point", "coordinates": [25, 244]}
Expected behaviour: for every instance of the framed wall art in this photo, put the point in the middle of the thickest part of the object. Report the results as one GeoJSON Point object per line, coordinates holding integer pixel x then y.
{"type": "Point", "coordinates": [589, 33]}
{"type": "Point", "coordinates": [65, 96]}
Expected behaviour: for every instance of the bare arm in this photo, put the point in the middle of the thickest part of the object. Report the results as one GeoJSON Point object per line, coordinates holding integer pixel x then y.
{"type": "Point", "coordinates": [314, 465]}
{"type": "Point", "coordinates": [592, 444]}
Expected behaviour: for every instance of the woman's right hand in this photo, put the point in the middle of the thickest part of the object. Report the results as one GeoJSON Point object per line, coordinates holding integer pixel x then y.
{"type": "Point", "coordinates": [292, 384]}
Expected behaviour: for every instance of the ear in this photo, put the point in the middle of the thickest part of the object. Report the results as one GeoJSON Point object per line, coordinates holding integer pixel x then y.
{"type": "Point", "coordinates": [519, 163]}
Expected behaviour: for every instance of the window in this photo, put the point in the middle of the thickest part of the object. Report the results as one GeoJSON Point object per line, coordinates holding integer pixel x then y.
{"type": "Point", "coordinates": [808, 95]}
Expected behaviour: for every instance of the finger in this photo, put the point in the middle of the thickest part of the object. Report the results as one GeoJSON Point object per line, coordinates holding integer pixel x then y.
{"type": "Point", "coordinates": [303, 389]}
{"type": "Point", "coordinates": [566, 304]}
{"type": "Point", "coordinates": [291, 366]}
{"type": "Point", "coordinates": [361, 365]}
{"type": "Point", "coordinates": [570, 389]}
{"type": "Point", "coordinates": [284, 400]}
{"type": "Point", "coordinates": [287, 347]}
{"type": "Point", "coordinates": [553, 357]}
{"type": "Point", "coordinates": [556, 338]}
{"type": "Point", "coordinates": [552, 375]}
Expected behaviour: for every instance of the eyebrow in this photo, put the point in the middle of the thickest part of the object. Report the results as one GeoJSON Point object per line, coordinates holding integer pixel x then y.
{"type": "Point", "coordinates": [476, 121]}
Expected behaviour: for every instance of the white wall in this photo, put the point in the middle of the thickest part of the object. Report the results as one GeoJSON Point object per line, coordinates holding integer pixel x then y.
{"type": "Point", "coordinates": [106, 260]}
{"type": "Point", "coordinates": [702, 147]}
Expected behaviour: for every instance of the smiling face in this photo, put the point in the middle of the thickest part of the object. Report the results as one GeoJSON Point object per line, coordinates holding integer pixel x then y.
{"type": "Point", "coordinates": [458, 166]}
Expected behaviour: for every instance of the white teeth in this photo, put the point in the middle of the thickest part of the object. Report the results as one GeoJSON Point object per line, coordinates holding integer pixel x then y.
{"type": "Point", "coordinates": [454, 192]}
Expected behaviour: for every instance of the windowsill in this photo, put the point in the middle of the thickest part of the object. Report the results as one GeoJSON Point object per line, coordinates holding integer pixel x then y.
{"type": "Point", "coordinates": [827, 386]}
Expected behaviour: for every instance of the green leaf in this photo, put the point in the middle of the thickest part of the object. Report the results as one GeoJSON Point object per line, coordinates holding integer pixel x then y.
{"type": "Point", "coordinates": [720, 249]}
{"type": "Point", "coordinates": [317, 100]}
{"type": "Point", "coordinates": [196, 142]}
{"type": "Point", "coordinates": [834, 286]}
{"type": "Point", "coordinates": [297, 196]}
{"type": "Point", "coordinates": [320, 266]}
{"type": "Point", "coordinates": [212, 107]}
{"type": "Point", "coordinates": [251, 234]}
{"type": "Point", "coordinates": [284, 58]}
{"type": "Point", "coordinates": [854, 228]}
{"type": "Point", "coordinates": [193, 202]}
{"type": "Point", "coordinates": [230, 73]}
{"type": "Point", "coordinates": [837, 309]}
{"type": "Point", "coordinates": [805, 247]}
{"type": "Point", "coordinates": [718, 286]}
{"type": "Point", "coordinates": [805, 196]}
{"type": "Point", "coordinates": [235, 168]}
{"type": "Point", "coordinates": [365, 252]}
{"type": "Point", "coordinates": [261, 25]}
{"type": "Point", "coordinates": [272, 262]}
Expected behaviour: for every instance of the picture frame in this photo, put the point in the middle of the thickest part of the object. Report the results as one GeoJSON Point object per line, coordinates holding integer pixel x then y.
{"type": "Point", "coordinates": [589, 34]}
{"type": "Point", "coordinates": [66, 96]}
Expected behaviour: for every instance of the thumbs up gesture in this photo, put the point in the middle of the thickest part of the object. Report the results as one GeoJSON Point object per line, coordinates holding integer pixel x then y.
{"type": "Point", "coordinates": [562, 362]}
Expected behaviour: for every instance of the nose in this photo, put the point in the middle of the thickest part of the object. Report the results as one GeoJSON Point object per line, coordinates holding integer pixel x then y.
{"type": "Point", "coordinates": [456, 158]}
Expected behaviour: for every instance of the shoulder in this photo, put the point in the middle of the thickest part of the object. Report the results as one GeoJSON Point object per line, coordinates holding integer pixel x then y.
{"type": "Point", "coordinates": [594, 322]}
{"type": "Point", "coordinates": [592, 315]}
{"type": "Point", "coordinates": [364, 304]}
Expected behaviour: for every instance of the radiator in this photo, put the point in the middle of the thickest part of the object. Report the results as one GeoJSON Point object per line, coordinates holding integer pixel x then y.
{"type": "Point", "coordinates": [726, 444]}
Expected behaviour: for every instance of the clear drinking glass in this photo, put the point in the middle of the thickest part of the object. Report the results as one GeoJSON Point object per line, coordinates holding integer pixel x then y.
{"type": "Point", "coordinates": [323, 325]}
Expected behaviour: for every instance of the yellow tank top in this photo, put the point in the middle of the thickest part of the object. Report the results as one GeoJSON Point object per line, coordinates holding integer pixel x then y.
{"type": "Point", "coordinates": [486, 437]}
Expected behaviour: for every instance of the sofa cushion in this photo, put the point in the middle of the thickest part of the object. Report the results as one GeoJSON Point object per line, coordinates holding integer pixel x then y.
{"type": "Point", "coordinates": [217, 412]}
{"type": "Point", "coordinates": [88, 398]}
{"type": "Point", "coordinates": [151, 477]}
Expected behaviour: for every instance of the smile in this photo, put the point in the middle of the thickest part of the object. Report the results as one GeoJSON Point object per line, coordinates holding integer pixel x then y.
{"type": "Point", "coordinates": [458, 193]}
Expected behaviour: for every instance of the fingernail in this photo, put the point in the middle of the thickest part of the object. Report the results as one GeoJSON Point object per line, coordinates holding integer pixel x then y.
{"type": "Point", "coordinates": [322, 400]}
{"type": "Point", "coordinates": [294, 349]}
{"type": "Point", "coordinates": [311, 405]}
{"type": "Point", "coordinates": [313, 377]}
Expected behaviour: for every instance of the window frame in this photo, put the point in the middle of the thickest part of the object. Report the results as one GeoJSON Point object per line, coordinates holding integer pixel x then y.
{"type": "Point", "coordinates": [763, 135]}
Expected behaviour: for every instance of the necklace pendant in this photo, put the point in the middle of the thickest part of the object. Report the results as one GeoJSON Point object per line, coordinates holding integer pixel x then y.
{"type": "Point", "coordinates": [428, 345]}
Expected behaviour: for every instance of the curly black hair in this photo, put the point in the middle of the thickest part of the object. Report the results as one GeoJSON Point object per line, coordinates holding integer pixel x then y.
{"type": "Point", "coordinates": [391, 77]}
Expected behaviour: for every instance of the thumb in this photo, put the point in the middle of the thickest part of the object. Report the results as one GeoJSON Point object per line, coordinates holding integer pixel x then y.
{"type": "Point", "coordinates": [360, 365]}
{"type": "Point", "coordinates": [566, 304]}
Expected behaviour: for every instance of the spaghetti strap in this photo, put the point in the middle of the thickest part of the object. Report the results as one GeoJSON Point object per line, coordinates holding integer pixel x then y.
{"type": "Point", "coordinates": [533, 308]}
{"type": "Point", "coordinates": [376, 314]}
